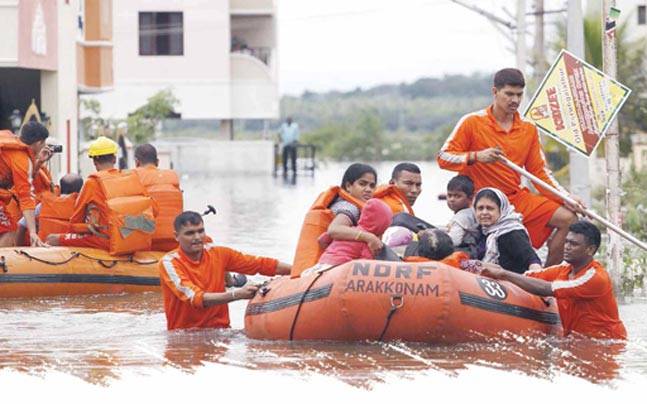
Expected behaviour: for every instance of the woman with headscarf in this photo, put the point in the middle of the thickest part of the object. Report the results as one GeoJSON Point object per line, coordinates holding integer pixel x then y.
{"type": "Point", "coordinates": [506, 239]}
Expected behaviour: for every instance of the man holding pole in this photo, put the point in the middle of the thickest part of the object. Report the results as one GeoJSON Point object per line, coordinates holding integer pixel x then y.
{"type": "Point", "coordinates": [478, 146]}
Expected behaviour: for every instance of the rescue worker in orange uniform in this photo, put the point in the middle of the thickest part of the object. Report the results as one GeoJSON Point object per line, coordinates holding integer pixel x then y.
{"type": "Point", "coordinates": [164, 187]}
{"type": "Point", "coordinates": [90, 209]}
{"type": "Point", "coordinates": [193, 277]}
{"type": "Point", "coordinates": [581, 285]}
{"type": "Point", "coordinates": [18, 158]}
{"type": "Point", "coordinates": [480, 139]}
{"type": "Point", "coordinates": [403, 189]}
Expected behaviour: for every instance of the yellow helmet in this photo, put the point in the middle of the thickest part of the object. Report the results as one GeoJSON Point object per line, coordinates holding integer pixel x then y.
{"type": "Point", "coordinates": [102, 146]}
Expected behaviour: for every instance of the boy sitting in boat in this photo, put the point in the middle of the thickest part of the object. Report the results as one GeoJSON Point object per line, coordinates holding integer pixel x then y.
{"type": "Point", "coordinates": [463, 227]}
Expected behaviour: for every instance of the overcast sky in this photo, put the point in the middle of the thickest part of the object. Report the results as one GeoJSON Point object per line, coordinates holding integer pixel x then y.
{"type": "Point", "coordinates": [342, 44]}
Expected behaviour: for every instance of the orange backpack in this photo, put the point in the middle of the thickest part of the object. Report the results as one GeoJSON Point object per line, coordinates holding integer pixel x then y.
{"type": "Point", "coordinates": [392, 196]}
{"type": "Point", "coordinates": [314, 225]}
{"type": "Point", "coordinates": [131, 222]}
{"type": "Point", "coordinates": [164, 187]}
{"type": "Point", "coordinates": [55, 213]}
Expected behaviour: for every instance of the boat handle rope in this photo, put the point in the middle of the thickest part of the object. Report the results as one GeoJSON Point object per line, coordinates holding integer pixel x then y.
{"type": "Point", "coordinates": [3, 265]}
{"type": "Point", "coordinates": [105, 263]}
{"type": "Point", "coordinates": [303, 298]}
{"type": "Point", "coordinates": [397, 301]}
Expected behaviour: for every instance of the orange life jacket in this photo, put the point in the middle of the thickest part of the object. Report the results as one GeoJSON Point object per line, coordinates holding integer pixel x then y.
{"type": "Point", "coordinates": [164, 187]}
{"type": "Point", "coordinates": [131, 221]}
{"type": "Point", "coordinates": [314, 225]}
{"type": "Point", "coordinates": [55, 213]}
{"type": "Point", "coordinates": [9, 141]}
{"type": "Point", "coordinates": [43, 182]}
{"type": "Point", "coordinates": [454, 259]}
{"type": "Point", "coordinates": [392, 196]}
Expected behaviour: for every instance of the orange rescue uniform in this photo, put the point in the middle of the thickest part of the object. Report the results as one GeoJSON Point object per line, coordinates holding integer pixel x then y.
{"type": "Point", "coordinates": [586, 302]}
{"type": "Point", "coordinates": [90, 207]}
{"type": "Point", "coordinates": [184, 283]}
{"type": "Point", "coordinates": [164, 187]}
{"type": "Point", "coordinates": [479, 131]}
{"type": "Point", "coordinates": [393, 196]}
{"type": "Point", "coordinates": [16, 180]}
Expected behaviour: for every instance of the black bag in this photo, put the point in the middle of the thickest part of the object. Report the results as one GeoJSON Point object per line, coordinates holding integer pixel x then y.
{"type": "Point", "coordinates": [410, 222]}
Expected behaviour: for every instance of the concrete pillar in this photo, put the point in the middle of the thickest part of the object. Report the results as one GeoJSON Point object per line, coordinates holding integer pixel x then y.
{"type": "Point", "coordinates": [59, 97]}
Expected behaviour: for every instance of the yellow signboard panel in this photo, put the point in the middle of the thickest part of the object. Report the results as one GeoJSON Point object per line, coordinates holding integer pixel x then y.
{"type": "Point", "coordinates": [576, 103]}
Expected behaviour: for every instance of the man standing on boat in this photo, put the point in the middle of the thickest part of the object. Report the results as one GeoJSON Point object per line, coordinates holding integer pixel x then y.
{"type": "Point", "coordinates": [193, 277]}
{"type": "Point", "coordinates": [581, 285]}
{"type": "Point", "coordinates": [480, 140]}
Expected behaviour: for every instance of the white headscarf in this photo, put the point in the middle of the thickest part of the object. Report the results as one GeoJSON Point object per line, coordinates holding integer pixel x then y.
{"type": "Point", "coordinates": [509, 220]}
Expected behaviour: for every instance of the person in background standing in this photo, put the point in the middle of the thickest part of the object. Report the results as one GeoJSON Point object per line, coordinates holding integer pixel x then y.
{"type": "Point", "coordinates": [289, 137]}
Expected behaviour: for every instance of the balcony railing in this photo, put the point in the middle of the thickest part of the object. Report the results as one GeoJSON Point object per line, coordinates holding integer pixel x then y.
{"type": "Point", "coordinates": [251, 7]}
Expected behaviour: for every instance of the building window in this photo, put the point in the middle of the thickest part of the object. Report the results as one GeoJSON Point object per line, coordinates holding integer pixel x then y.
{"type": "Point", "coordinates": [161, 34]}
{"type": "Point", "coordinates": [642, 15]}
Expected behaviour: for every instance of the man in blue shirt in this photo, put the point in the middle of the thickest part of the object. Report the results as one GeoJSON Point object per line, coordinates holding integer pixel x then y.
{"type": "Point", "coordinates": [289, 134]}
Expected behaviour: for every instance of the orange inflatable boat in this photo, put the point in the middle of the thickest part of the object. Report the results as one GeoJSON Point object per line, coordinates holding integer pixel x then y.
{"type": "Point", "coordinates": [54, 271]}
{"type": "Point", "coordinates": [377, 300]}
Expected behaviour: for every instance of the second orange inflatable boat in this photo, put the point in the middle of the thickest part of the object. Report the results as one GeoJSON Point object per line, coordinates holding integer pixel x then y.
{"type": "Point", "coordinates": [377, 300]}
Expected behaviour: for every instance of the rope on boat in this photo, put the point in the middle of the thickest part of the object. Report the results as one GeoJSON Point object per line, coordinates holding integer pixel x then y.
{"type": "Point", "coordinates": [303, 298]}
{"type": "Point", "coordinates": [397, 301]}
{"type": "Point", "coordinates": [107, 263]}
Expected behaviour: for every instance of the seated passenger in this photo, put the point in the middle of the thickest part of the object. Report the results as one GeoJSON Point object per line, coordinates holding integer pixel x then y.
{"type": "Point", "coordinates": [164, 187]}
{"type": "Point", "coordinates": [433, 244]}
{"type": "Point", "coordinates": [113, 211]}
{"type": "Point", "coordinates": [374, 219]}
{"type": "Point", "coordinates": [463, 227]}
{"type": "Point", "coordinates": [403, 189]}
{"type": "Point", "coordinates": [336, 212]}
{"type": "Point", "coordinates": [507, 242]}
{"type": "Point", "coordinates": [57, 208]}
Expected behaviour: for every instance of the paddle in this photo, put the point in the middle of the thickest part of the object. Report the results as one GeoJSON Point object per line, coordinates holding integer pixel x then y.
{"type": "Point", "coordinates": [570, 200]}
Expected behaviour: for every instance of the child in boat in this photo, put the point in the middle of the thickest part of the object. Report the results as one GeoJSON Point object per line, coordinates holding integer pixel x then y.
{"type": "Point", "coordinates": [375, 218]}
{"type": "Point", "coordinates": [463, 227]}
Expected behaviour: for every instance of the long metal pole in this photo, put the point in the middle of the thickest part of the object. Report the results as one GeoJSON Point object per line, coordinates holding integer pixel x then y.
{"type": "Point", "coordinates": [568, 199]}
{"type": "Point", "coordinates": [521, 36]}
{"type": "Point", "coordinates": [579, 165]}
{"type": "Point", "coordinates": [612, 149]}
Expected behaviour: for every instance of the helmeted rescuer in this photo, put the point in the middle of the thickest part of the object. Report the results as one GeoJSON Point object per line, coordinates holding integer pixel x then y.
{"type": "Point", "coordinates": [113, 211]}
{"type": "Point", "coordinates": [164, 187]}
{"type": "Point", "coordinates": [18, 158]}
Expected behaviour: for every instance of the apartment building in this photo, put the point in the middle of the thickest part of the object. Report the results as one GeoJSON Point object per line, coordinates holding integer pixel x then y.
{"type": "Point", "coordinates": [218, 57]}
{"type": "Point", "coordinates": [51, 50]}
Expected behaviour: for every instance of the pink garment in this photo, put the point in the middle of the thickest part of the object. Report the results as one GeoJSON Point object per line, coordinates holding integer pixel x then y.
{"type": "Point", "coordinates": [375, 218]}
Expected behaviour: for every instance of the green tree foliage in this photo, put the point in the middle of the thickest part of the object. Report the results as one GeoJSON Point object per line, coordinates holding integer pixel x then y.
{"type": "Point", "coordinates": [92, 122]}
{"type": "Point", "coordinates": [632, 59]}
{"type": "Point", "coordinates": [365, 139]}
{"type": "Point", "coordinates": [144, 121]}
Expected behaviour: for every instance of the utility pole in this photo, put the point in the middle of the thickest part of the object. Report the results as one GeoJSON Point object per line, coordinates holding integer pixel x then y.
{"type": "Point", "coordinates": [612, 149]}
{"type": "Point", "coordinates": [579, 165]}
{"type": "Point", "coordinates": [520, 48]}
{"type": "Point", "coordinates": [539, 56]}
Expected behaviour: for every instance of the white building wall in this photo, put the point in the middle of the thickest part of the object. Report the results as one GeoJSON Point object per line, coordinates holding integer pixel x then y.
{"type": "Point", "coordinates": [199, 78]}
{"type": "Point", "coordinates": [9, 41]}
{"type": "Point", "coordinates": [203, 78]}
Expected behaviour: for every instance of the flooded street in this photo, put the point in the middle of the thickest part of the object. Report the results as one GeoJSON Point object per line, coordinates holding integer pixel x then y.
{"type": "Point", "coordinates": [100, 338]}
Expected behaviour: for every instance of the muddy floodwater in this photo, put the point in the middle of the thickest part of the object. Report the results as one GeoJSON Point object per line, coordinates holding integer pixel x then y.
{"type": "Point", "coordinates": [98, 338]}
